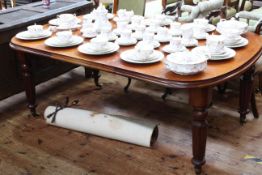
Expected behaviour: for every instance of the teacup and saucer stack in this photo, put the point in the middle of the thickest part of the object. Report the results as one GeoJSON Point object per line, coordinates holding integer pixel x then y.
{"type": "Point", "coordinates": [126, 38]}
{"type": "Point", "coordinates": [175, 45]}
{"type": "Point", "coordinates": [200, 28]}
{"type": "Point", "coordinates": [64, 39]}
{"type": "Point", "coordinates": [98, 46]}
{"type": "Point", "coordinates": [215, 48]}
{"type": "Point", "coordinates": [142, 54]}
{"type": "Point", "coordinates": [175, 29]}
{"type": "Point", "coordinates": [68, 22]}
{"type": "Point", "coordinates": [163, 35]}
{"type": "Point", "coordinates": [34, 32]}
{"type": "Point", "coordinates": [233, 39]}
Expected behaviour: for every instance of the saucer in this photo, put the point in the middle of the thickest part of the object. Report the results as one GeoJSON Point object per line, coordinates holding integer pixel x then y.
{"type": "Point", "coordinates": [152, 29]}
{"type": "Point", "coordinates": [169, 49]}
{"type": "Point", "coordinates": [85, 35]}
{"type": "Point", "coordinates": [123, 42]}
{"type": "Point", "coordinates": [228, 54]}
{"type": "Point", "coordinates": [163, 39]}
{"type": "Point", "coordinates": [53, 42]}
{"type": "Point", "coordinates": [241, 43]}
{"type": "Point", "coordinates": [25, 35]}
{"type": "Point", "coordinates": [191, 43]}
{"type": "Point", "coordinates": [200, 37]}
{"type": "Point", "coordinates": [68, 28]}
{"type": "Point", "coordinates": [87, 48]}
{"type": "Point", "coordinates": [129, 56]}
{"type": "Point", "coordinates": [55, 22]}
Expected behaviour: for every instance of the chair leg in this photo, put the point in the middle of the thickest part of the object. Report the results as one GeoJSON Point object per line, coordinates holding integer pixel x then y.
{"type": "Point", "coordinates": [260, 82]}
{"type": "Point", "coordinates": [254, 105]}
{"type": "Point", "coordinates": [127, 85]}
{"type": "Point", "coordinates": [97, 75]}
{"type": "Point", "coordinates": [168, 91]}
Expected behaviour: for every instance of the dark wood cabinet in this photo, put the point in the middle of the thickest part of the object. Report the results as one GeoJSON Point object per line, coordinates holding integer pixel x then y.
{"type": "Point", "coordinates": [17, 19]}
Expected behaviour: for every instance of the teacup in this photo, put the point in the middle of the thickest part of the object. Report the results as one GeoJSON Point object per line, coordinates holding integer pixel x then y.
{"type": "Point", "coordinates": [215, 44]}
{"type": "Point", "coordinates": [64, 37]}
{"type": "Point", "coordinates": [162, 32]}
{"type": "Point", "coordinates": [126, 35]}
{"type": "Point", "coordinates": [89, 31]}
{"type": "Point", "coordinates": [35, 30]}
{"type": "Point", "coordinates": [105, 32]}
{"type": "Point", "coordinates": [139, 30]}
{"type": "Point", "coordinates": [122, 25]}
{"type": "Point", "coordinates": [160, 17]}
{"type": "Point", "coordinates": [199, 30]}
{"type": "Point", "coordinates": [99, 42]}
{"type": "Point", "coordinates": [67, 20]}
{"type": "Point", "coordinates": [176, 43]}
{"type": "Point", "coordinates": [143, 51]}
{"type": "Point", "coordinates": [175, 26]}
{"type": "Point", "coordinates": [87, 23]}
{"type": "Point", "coordinates": [148, 37]}
{"type": "Point", "coordinates": [136, 20]}
{"type": "Point", "coordinates": [231, 37]}
{"type": "Point", "coordinates": [187, 32]}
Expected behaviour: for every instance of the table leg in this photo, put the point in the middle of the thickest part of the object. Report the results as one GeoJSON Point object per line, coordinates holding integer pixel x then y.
{"type": "Point", "coordinates": [246, 90]}
{"type": "Point", "coordinates": [28, 82]}
{"type": "Point", "coordinates": [200, 99]}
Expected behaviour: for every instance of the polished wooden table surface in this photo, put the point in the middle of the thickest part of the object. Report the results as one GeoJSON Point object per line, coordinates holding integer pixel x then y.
{"type": "Point", "coordinates": [199, 86]}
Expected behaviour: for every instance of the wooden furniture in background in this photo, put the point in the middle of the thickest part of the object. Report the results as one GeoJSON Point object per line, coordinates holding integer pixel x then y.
{"type": "Point", "coordinates": [14, 20]}
{"type": "Point", "coordinates": [199, 86]}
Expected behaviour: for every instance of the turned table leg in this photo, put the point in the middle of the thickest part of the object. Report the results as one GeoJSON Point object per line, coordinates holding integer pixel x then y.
{"type": "Point", "coordinates": [28, 82]}
{"type": "Point", "coordinates": [246, 90]}
{"type": "Point", "coordinates": [200, 99]}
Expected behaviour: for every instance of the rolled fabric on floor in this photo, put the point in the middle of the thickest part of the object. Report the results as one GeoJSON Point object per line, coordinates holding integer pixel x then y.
{"type": "Point", "coordinates": [139, 132]}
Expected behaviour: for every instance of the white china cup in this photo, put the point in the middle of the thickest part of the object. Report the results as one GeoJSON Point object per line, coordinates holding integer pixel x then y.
{"type": "Point", "coordinates": [136, 20]}
{"type": "Point", "coordinates": [125, 35]}
{"type": "Point", "coordinates": [176, 43]}
{"type": "Point", "coordinates": [175, 26]}
{"type": "Point", "coordinates": [143, 51]}
{"type": "Point", "coordinates": [122, 25]}
{"type": "Point", "coordinates": [99, 42]}
{"type": "Point", "coordinates": [148, 37]}
{"type": "Point", "coordinates": [35, 30]}
{"type": "Point", "coordinates": [231, 37]}
{"type": "Point", "coordinates": [140, 30]}
{"type": "Point", "coordinates": [199, 30]}
{"type": "Point", "coordinates": [67, 20]}
{"type": "Point", "coordinates": [215, 44]}
{"type": "Point", "coordinates": [87, 23]}
{"type": "Point", "coordinates": [187, 32]}
{"type": "Point", "coordinates": [64, 37]}
{"type": "Point", "coordinates": [162, 32]}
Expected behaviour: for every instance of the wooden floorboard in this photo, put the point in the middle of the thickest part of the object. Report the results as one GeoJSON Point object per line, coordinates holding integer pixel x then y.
{"type": "Point", "coordinates": [29, 146]}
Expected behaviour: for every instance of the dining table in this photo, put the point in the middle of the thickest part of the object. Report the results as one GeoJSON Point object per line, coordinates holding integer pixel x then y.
{"type": "Point", "coordinates": [199, 86]}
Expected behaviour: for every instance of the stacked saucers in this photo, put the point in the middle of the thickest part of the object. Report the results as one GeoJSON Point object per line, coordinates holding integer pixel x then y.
{"type": "Point", "coordinates": [188, 39]}
{"type": "Point", "coordinates": [148, 39]}
{"type": "Point", "coordinates": [98, 46]}
{"type": "Point", "coordinates": [88, 32]}
{"type": "Point", "coordinates": [56, 21]}
{"type": "Point", "coordinates": [64, 39]}
{"type": "Point", "coordinates": [226, 53]}
{"type": "Point", "coordinates": [34, 32]}
{"type": "Point", "coordinates": [142, 54]}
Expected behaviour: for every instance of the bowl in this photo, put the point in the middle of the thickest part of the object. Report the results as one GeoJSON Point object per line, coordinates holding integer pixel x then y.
{"type": "Point", "coordinates": [186, 63]}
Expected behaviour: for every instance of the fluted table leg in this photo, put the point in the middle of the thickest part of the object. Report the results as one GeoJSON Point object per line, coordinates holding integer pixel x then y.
{"type": "Point", "coordinates": [28, 82]}
{"type": "Point", "coordinates": [200, 99]}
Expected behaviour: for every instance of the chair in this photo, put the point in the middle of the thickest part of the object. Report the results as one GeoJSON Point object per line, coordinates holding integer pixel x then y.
{"type": "Point", "coordinates": [171, 7]}
{"type": "Point", "coordinates": [138, 6]}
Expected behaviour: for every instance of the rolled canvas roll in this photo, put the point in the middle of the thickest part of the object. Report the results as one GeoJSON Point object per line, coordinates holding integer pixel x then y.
{"type": "Point", "coordinates": [120, 128]}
